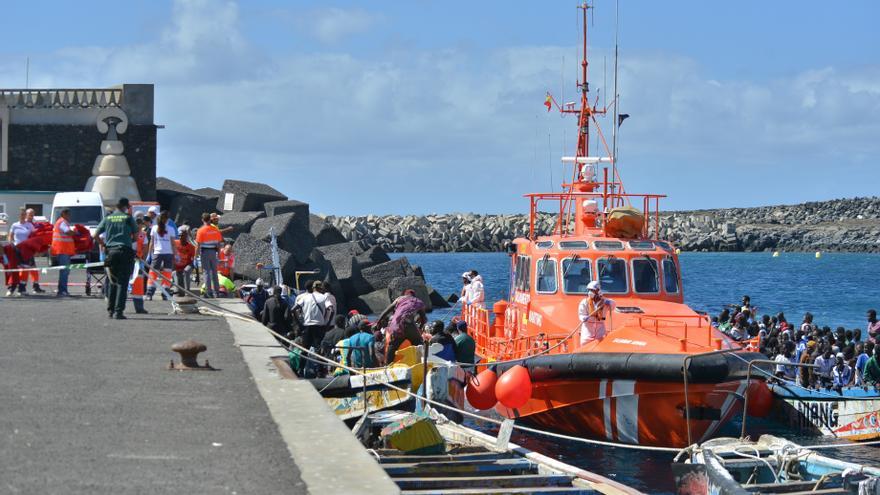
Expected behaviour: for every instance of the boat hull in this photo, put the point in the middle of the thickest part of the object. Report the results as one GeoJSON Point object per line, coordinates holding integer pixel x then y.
{"type": "Point", "coordinates": [631, 411]}
{"type": "Point", "coordinates": [853, 413]}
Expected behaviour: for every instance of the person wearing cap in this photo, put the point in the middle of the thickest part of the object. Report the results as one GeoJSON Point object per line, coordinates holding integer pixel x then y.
{"type": "Point", "coordinates": [256, 299]}
{"type": "Point", "coordinates": [119, 231]}
{"type": "Point", "coordinates": [465, 295]}
{"type": "Point", "coordinates": [477, 292]}
{"type": "Point", "coordinates": [592, 311]}
{"type": "Point", "coordinates": [465, 347]}
{"type": "Point", "coordinates": [355, 317]}
{"type": "Point", "coordinates": [153, 212]}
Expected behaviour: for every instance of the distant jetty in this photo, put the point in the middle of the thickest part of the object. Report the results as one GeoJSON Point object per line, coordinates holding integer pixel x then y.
{"type": "Point", "coordinates": [837, 225]}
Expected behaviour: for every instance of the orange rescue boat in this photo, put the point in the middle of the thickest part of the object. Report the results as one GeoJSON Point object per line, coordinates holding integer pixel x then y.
{"type": "Point", "coordinates": [661, 375]}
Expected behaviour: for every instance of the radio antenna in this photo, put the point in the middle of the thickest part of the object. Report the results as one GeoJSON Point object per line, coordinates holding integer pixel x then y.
{"type": "Point", "coordinates": [616, 101]}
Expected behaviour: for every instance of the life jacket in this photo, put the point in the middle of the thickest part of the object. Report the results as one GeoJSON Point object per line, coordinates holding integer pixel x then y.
{"type": "Point", "coordinates": [596, 307]}
{"type": "Point", "coordinates": [225, 262]}
{"type": "Point", "coordinates": [185, 254]}
{"type": "Point", "coordinates": [141, 244]}
{"type": "Point", "coordinates": [62, 243]}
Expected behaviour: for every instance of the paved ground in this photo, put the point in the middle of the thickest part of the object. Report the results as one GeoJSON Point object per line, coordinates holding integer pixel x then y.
{"type": "Point", "coordinates": [86, 406]}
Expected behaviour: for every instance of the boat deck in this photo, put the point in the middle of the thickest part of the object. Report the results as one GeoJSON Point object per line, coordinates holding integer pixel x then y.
{"type": "Point", "coordinates": [475, 470]}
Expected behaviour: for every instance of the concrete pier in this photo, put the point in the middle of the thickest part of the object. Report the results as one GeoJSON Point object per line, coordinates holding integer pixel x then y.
{"type": "Point", "coordinates": [87, 406]}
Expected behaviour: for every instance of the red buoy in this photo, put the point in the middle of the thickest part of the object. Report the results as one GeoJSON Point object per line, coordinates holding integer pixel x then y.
{"type": "Point", "coordinates": [514, 387]}
{"type": "Point", "coordinates": [760, 399]}
{"type": "Point", "coordinates": [481, 390]}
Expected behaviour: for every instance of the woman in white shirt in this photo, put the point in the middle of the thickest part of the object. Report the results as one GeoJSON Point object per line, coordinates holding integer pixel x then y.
{"type": "Point", "coordinates": [163, 252]}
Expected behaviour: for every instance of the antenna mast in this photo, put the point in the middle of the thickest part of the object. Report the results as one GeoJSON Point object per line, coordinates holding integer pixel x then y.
{"type": "Point", "coordinates": [616, 100]}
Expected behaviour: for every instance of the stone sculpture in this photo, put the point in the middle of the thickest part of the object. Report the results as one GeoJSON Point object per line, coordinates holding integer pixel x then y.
{"type": "Point", "coordinates": [111, 175]}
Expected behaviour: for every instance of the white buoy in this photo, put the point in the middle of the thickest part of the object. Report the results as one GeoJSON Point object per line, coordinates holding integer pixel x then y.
{"type": "Point", "coordinates": [677, 250]}
{"type": "Point", "coordinates": [775, 254]}
{"type": "Point", "coordinates": [818, 254]}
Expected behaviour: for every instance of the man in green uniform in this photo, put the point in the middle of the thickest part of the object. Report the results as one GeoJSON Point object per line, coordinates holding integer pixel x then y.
{"type": "Point", "coordinates": [119, 230]}
{"type": "Point", "coordinates": [872, 369]}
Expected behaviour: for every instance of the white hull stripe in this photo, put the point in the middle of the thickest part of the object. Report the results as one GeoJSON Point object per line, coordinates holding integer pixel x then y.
{"type": "Point", "coordinates": [606, 409]}
{"type": "Point", "coordinates": [725, 410]}
{"type": "Point", "coordinates": [627, 410]}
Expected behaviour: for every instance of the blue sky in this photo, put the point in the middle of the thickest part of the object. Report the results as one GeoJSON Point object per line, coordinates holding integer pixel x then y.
{"type": "Point", "coordinates": [430, 106]}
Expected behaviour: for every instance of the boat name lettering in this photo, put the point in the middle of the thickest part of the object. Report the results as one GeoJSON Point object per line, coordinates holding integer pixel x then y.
{"type": "Point", "coordinates": [639, 343]}
{"type": "Point", "coordinates": [535, 317]}
{"type": "Point", "coordinates": [821, 414]}
{"type": "Point", "coordinates": [522, 298]}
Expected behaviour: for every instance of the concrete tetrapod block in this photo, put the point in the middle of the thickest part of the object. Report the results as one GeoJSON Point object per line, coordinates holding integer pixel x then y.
{"type": "Point", "coordinates": [167, 190]}
{"type": "Point", "coordinates": [324, 232]}
{"type": "Point", "coordinates": [437, 300]}
{"type": "Point", "coordinates": [239, 195]}
{"type": "Point", "coordinates": [187, 209]}
{"type": "Point", "coordinates": [399, 284]}
{"type": "Point", "coordinates": [250, 250]}
{"type": "Point", "coordinates": [372, 256]}
{"type": "Point", "coordinates": [373, 303]}
{"type": "Point", "coordinates": [292, 237]}
{"type": "Point", "coordinates": [381, 275]}
{"type": "Point", "coordinates": [240, 221]}
{"type": "Point", "coordinates": [301, 209]}
{"type": "Point", "coordinates": [342, 257]}
{"type": "Point", "coordinates": [208, 192]}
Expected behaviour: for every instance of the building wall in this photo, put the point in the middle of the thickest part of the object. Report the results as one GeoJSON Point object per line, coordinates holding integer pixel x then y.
{"type": "Point", "coordinates": [49, 139]}
{"type": "Point", "coordinates": [60, 157]}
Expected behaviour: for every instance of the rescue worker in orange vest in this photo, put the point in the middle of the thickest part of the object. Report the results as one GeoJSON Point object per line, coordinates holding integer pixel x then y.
{"type": "Point", "coordinates": [226, 260]}
{"type": "Point", "coordinates": [209, 239]}
{"type": "Point", "coordinates": [592, 311]}
{"type": "Point", "coordinates": [119, 231]}
{"type": "Point", "coordinates": [138, 279]}
{"type": "Point", "coordinates": [63, 248]}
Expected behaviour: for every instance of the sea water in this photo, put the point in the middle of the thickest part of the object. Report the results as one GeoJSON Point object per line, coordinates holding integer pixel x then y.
{"type": "Point", "coordinates": [837, 288]}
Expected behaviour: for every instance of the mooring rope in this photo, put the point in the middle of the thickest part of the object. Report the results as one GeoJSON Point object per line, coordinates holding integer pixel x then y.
{"type": "Point", "coordinates": [319, 358]}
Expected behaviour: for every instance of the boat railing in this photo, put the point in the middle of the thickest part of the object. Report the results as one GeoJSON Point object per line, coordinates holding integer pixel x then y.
{"type": "Point", "coordinates": [685, 326]}
{"type": "Point", "coordinates": [606, 201]}
{"type": "Point", "coordinates": [491, 340]}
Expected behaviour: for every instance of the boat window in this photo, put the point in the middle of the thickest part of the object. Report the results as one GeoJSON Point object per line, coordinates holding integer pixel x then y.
{"type": "Point", "coordinates": [641, 245]}
{"type": "Point", "coordinates": [576, 274]}
{"type": "Point", "coordinates": [670, 276]}
{"type": "Point", "coordinates": [664, 245]}
{"type": "Point", "coordinates": [546, 275]}
{"type": "Point", "coordinates": [645, 275]}
{"type": "Point", "coordinates": [544, 244]}
{"type": "Point", "coordinates": [522, 278]}
{"type": "Point", "coordinates": [612, 275]}
{"type": "Point", "coordinates": [574, 245]}
{"type": "Point", "coordinates": [608, 245]}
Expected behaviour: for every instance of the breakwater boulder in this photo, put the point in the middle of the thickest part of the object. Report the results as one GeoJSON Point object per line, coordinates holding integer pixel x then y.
{"type": "Point", "coordinates": [837, 225]}
{"type": "Point", "coordinates": [310, 247]}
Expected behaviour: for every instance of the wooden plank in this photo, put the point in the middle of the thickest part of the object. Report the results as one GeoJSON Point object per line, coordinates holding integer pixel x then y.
{"type": "Point", "coordinates": [461, 468]}
{"type": "Point", "coordinates": [549, 490]}
{"type": "Point", "coordinates": [392, 459]}
{"type": "Point", "coordinates": [787, 487]}
{"type": "Point", "coordinates": [449, 482]}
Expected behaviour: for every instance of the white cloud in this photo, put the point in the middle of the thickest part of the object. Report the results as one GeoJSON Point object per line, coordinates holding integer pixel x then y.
{"type": "Point", "coordinates": [440, 130]}
{"type": "Point", "coordinates": [330, 25]}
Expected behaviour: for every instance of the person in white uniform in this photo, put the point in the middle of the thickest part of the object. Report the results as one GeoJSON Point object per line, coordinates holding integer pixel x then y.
{"type": "Point", "coordinates": [592, 311]}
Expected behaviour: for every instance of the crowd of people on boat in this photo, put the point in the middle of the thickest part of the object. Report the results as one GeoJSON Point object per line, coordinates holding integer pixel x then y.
{"type": "Point", "coordinates": [354, 340]}
{"type": "Point", "coordinates": [838, 358]}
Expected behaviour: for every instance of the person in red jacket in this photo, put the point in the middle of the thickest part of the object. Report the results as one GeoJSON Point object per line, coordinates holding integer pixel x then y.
{"type": "Point", "coordinates": [186, 253]}
{"type": "Point", "coordinates": [226, 260]}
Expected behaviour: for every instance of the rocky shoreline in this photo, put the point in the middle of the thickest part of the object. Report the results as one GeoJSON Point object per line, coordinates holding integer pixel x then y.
{"type": "Point", "coordinates": [837, 225]}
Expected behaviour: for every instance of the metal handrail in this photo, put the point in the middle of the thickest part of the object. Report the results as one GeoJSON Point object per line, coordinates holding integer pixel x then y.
{"type": "Point", "coordinates": [684, 372]}
{"type": "Point", "coordinates": [748, 380]}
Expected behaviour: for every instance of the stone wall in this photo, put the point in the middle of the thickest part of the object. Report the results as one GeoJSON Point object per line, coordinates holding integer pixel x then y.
{"type": "Point", "coordinates": [60, 157]}
{"type": "Point", "coordinates": [837, 225]}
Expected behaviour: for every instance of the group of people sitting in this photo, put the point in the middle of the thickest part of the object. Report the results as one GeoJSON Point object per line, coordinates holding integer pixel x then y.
{"type": "Point", "coordinates": [310, 320]}
{"type": "Point", "coordinates": [840, 358]}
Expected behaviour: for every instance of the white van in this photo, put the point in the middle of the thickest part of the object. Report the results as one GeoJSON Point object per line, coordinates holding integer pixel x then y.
{"type": "Point", "coordinates": [86, 208]}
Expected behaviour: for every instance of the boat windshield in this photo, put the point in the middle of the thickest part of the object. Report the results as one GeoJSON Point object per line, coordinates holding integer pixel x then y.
{"type": "Point", "coordinates": [612, 275]}
{"type": "Point", "coordinates": [645, 275]}
{"type": "Point", "coordinates": [670, 276]}
{"type": "Point", "coordinates": [576, 275]}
